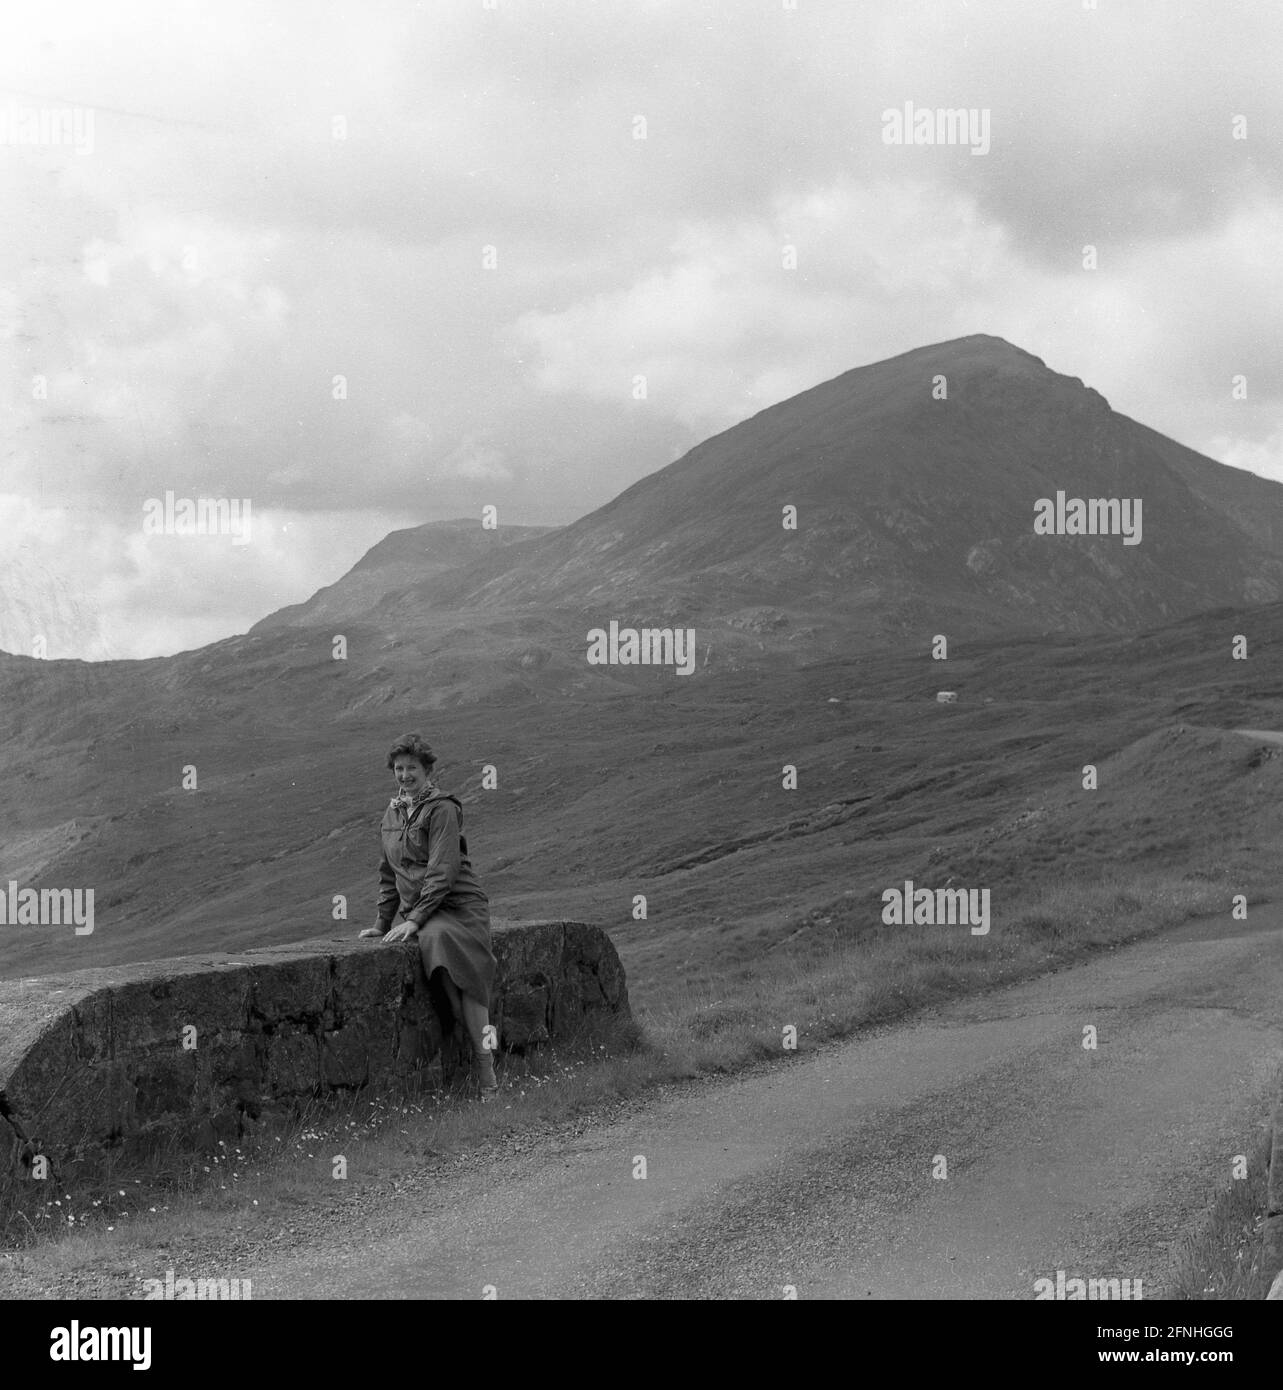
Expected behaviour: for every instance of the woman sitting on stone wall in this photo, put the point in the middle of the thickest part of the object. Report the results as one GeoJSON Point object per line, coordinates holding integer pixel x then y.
{"type": "Point", "coordinates": [425, 877]}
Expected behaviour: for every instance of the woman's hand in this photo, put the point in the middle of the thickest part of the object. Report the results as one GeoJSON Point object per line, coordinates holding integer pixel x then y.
{"type": "Point", "coordinates": [403, 931]}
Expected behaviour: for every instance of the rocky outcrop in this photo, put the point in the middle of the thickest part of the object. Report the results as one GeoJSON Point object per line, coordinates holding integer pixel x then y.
{"type": "Point", "coordinates": [185, 1052]}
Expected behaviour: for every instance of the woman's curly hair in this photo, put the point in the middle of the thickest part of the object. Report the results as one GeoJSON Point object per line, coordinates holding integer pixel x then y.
{"type": "Point", "coordinates": [412, 746]}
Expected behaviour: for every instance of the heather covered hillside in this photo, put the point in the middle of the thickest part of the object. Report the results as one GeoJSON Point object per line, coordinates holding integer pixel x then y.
{"type": "Point", "coordinates": [675, 792]}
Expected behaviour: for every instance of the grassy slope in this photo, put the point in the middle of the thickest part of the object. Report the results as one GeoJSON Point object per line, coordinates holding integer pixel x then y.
{"type": "Point", "coordinates": [673, 791]}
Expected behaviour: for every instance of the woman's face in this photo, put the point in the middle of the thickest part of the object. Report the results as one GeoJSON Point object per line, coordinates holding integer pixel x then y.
{"type": "Point", "coordinates": [410, 774]}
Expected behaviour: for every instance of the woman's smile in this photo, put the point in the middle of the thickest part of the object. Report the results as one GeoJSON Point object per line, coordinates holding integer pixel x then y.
{"type": "Point", "coordinates": [410, 774]}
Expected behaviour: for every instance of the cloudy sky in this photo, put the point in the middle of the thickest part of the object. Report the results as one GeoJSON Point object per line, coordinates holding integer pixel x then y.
{"type": "Point", "coordinates": [448, 206]}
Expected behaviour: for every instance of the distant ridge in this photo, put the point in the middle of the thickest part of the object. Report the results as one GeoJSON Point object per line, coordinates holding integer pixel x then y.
{"type": "Point", "coordinates": [400, 559]}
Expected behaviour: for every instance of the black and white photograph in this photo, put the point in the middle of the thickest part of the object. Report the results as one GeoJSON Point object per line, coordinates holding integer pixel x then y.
{"type": "Point", "coordinates": [641, 659]}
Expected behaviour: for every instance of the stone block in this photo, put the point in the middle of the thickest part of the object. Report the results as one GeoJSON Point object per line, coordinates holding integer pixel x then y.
{"type": "Point", "coordinates": [92, 1063]}
{"type": "Point", "coordinates": [345, 1056]}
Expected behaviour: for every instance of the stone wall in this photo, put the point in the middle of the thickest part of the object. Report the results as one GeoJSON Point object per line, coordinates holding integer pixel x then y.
{"type": "Point", "coordinates": [94, 1063]}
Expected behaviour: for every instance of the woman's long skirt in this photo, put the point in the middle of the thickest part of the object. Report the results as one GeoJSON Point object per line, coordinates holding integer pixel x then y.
{"type": "Point", "coordinates": [458, 942]}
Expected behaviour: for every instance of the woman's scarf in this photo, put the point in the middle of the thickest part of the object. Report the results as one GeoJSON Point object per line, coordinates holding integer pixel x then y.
{"type": "Point", "coordinates": [410, 802]}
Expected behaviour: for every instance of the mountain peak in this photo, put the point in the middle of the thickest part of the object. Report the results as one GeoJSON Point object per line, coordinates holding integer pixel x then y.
{"type": "Point", "coordinates": [915, 480]}
{"type": "Point", "coordinates": [978, 350]}
{"type": "Point", "coordinates": [913, 483]}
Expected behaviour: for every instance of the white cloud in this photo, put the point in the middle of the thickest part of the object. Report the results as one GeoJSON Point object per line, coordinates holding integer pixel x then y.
{"type": "Point", "coordinates": [1263, 456]}
{"type": "Point", "coordinates": [727, 329]}
{"type": "Point", "coordinates": [472, 457]}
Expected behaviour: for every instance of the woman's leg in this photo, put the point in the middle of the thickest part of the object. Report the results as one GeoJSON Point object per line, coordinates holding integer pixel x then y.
{"type": "Point", "coordinates": [452, 994]}
{"type": "Point", "coordinates": [476, 1017]}
{"type": "Point", "coordinates": [452, 1041]}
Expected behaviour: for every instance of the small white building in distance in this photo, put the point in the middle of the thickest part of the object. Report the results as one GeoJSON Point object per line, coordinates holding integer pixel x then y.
{"type": "Point", "coordinates": [946, 697]}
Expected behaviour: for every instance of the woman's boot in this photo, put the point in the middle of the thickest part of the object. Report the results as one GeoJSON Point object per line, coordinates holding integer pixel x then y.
{"type": "Point", "coordinates": [477, 1019]}
{"type": "Point", "coordinates": [486, 1078]}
